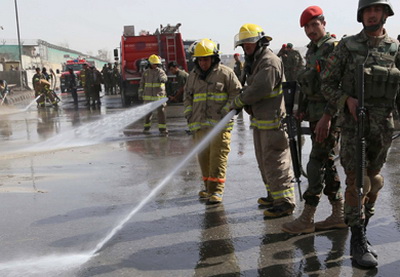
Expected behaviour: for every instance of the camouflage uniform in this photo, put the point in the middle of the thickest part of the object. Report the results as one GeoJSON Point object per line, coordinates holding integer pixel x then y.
{"type": "Point", "coordinates": [293, 64]}
{"type": "Point", "coordinates": [381, 88]}
{"type": "Point", "coordinates": [320, 168]}
{"type": "Point", "coordinates": [238, 69]}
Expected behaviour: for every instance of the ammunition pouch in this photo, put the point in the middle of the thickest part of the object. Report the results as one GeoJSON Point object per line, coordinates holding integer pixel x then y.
{"type": "Point", "coordinates": [310, 82]}
{"type": "Point", "coordinates": [381, 82]}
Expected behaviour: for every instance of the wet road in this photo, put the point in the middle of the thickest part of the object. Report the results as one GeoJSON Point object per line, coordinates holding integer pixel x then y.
{"type": "Point", "coordinates": [59, 201]}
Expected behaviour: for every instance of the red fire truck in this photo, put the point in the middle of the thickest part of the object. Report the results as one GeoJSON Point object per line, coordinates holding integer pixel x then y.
{"type": "Point", "coordinates": [135, 49]}
{"type": "Point", "coordinates": [77, 66]}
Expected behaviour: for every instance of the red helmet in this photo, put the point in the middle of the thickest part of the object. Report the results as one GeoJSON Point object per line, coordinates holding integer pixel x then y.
{"type": "Point", "coordinates": [236, 55]}
{"type": "Point", "coordinates": [309, 14]}
{"type": "Point", "coordinates": [284, 45]}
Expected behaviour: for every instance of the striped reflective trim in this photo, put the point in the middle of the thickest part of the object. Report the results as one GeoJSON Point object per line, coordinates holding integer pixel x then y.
{"type": "Point", "coordinates": [154, 85]}
{"type": "Point", "coordinates": [287, 193]}
{"type": "Point", "coordinates": [266, 124]}
{"type": "Point", "coordinates": [198, 97]}
{"type": "Point", "coordinates": [152, 98]}
{"type": "Point", "coordinates": [238, 102]}
{"type": "Point", "coordinates": [217, 180]}
{"type": "Point", "coordinates": [267, 187]}
{"type": "Point", "coordinates": [213, 96]}
{"type": "Point", "coordinates": [211, 123]}
{"type": "Point", "coordinates": [162, 126]}
{"type": "Point", "coordinates": [147, 124]}
{"type": "Point", "coordinates": [188, 109]}
{"type": "Point", "coordinates": [277, 91]}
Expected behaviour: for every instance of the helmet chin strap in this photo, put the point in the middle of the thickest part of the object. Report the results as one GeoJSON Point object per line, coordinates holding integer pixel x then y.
{"type": "Point", "coordinates": [376, 27]}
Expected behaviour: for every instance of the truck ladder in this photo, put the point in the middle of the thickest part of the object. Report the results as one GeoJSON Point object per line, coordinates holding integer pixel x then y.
{"type": "Point", "coordinates": [171, 48]}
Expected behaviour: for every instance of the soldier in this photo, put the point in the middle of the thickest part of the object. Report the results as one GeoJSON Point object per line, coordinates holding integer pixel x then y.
{"type": "Point", "coordinates": [115, 79]}
{"type": "Point", "coordinates": [263, 100]}
{"type": "Point", "coordinates": [72, 85]}
{"type": "Point", "coordinates": [210, 89]}
{"type": "Point", "coordinates": [320, 168]}
{"type": "Point", "coordinates": [238, 66]}
{"type": "Point", "coordinates": [293, 63]}
{"type": "Point", "coordinates": [181, 78]}
{"type": "Point", "coordinates": [95, 85]}
{"type": "Point", "coordinates": [378, 52]}
{"type": "Point", "coordinates": [104, 72]}
{"type": "Point", "coordinates": [83, 78]}
{"type": "Point", "coordinates": [152, 88]}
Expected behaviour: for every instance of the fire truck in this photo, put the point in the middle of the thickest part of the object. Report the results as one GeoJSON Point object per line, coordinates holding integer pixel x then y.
{"type": "Point", "coordinates": [77, 66]}
{"type": "Point", "coordinates": [135, 49]}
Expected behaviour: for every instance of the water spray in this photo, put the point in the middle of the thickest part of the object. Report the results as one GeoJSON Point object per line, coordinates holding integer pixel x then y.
{"type": "Point", "coordinates": [195, 150]}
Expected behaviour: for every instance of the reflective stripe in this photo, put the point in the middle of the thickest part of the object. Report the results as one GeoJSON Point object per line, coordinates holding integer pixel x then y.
{"type": "Point", "coordinates": [147, 124]}
{"type": "Point", "coordinates": [212, 96]}
{"type": "Point", "coordinates": [154, 85]}
{"type": "Point", "coordinates": [162, 126]}
{"type": "Point", "coordinates": [152, 98]}
{"type": "Point", "coordinates": [266, 124]}
{"type": "Point", "coordinates": [277, 91]}
{"type": "Point", "coordinates": [239, 103]}
{"type": "Point", "coordinates": [210, 123]}
{"type": "Point", "coordinates": [188, 109]}
{"type": "Point", "coordinates": [217, 180]}
{"type": "Point", "coordinates": [287, 193]}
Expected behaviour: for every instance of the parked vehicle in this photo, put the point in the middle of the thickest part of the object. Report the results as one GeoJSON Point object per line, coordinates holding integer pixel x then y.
{"type": "Point", "coordinates": [135, 49]}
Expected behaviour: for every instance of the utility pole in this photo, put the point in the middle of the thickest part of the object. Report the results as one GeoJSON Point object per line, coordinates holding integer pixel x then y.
{"type": "Point", "coordinates": [19, 46]}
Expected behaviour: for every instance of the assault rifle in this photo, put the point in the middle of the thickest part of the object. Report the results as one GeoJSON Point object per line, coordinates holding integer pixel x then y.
{"type": "Point", "coordinates": [289, 91]}
{"type": "Point", "coordinates": [360, 145]}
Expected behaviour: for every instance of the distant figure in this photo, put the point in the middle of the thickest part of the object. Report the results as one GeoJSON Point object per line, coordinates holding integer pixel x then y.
{"type": "Point", "coordinates": [46, 75]}
{"type": "Point", "coordinates": [35, 81]}
{"type": "Point", "coordinates": [181, 78]}
{"type": "Point", "coordinates": [238, 66]}
{"type": "Point", "coordinates": [152, 88]}
{"type": "Point", "coordinates": [72, 85]}
{"type": "Point", "coordinates": [95, 85]}
{"type": "Point", "coordinates": [293, 64]}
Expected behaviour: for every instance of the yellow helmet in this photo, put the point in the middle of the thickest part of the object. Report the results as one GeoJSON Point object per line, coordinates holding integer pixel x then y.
{"type": "Point", "coordinates": [250, 33]}
{"type": "Point", "coordinates": [154, 59]}
{"type": "Point", "coordinates": [204, 48]}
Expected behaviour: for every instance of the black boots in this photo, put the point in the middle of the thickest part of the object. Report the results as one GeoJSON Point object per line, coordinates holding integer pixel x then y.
{"type": "Point", "coordinates": [359, 249]}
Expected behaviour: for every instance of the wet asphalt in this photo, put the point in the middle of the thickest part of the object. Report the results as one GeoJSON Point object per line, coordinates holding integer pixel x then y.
{"type": "Point", "coordinates": [59, 204]}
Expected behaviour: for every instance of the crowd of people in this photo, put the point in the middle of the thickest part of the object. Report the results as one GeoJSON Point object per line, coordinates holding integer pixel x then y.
{"type": "Point", "coordinates": [328, 100]}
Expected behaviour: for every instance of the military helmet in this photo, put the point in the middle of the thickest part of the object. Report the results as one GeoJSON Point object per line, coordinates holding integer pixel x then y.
{"type": "Point", "coordinates": [204, 48]}
{"type": "Point", "coordinates": [362, 4]}
{"type": "Point", "coordinates": [250, 33]}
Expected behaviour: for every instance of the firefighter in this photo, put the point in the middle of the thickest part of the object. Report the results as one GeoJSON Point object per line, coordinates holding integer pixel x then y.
{"type": "Point", "coordinates": [263, 99]}
{"type": "Point", "coordinates": [152, 88]}
{"type": "Point", "coordinates": [209, 90]}
{"type": "Point", "coordinates": [45, 92]}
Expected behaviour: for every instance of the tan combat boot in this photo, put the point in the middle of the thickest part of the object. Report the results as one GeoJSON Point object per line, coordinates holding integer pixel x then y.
{"type": "Point", "coordinates": [303, 224]}
{"type": "Point", "coordinates": [335, 220]}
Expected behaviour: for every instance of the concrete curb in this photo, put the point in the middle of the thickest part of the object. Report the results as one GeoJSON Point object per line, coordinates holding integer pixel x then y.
{"type": "Point", "coordinates": [17, 96]}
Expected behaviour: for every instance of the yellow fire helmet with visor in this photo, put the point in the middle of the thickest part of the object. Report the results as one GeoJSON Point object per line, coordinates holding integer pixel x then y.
{"type": "Point", "coordinates": [204, 48]}
{"type": "Point", "coordinates": [250, 33]}
{"type": "Point", "coordinates": [154, 59]}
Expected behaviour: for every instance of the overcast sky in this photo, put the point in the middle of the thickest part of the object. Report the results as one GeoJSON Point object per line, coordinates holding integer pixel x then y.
{"type": "Point", "coordinates": [90, 25]}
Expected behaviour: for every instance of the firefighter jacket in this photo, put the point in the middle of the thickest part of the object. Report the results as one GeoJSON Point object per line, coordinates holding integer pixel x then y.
{"type": "Point", "coordinates": [207, 101]}
{"type": "Point", "coordinates": [152, 84]}
{"type": "Point", "coordinates": [36, 81]}
{"type": "Point", "coordinates": [264, 92]}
